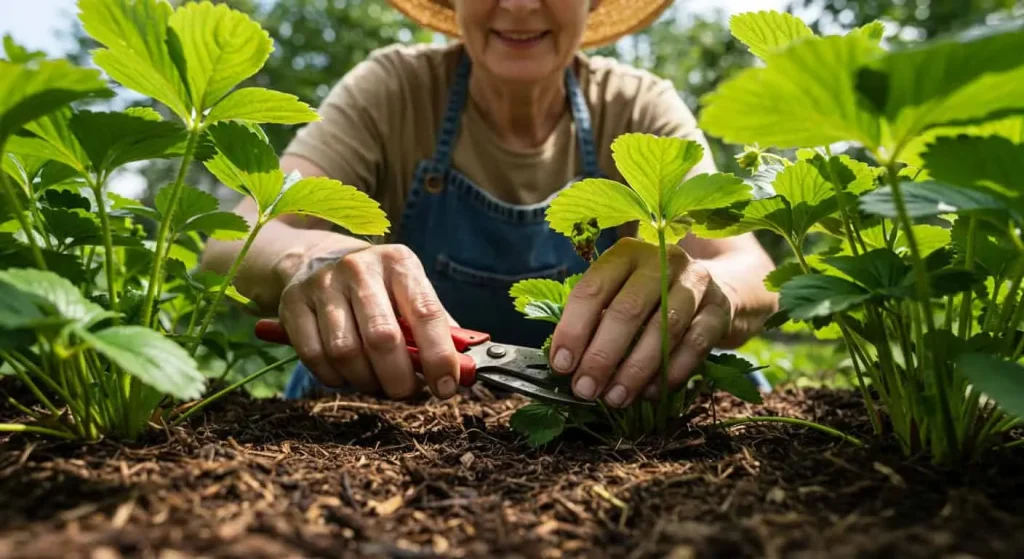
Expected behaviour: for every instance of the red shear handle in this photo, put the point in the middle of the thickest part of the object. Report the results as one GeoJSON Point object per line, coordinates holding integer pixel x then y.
{"type": "Point", "coordinates": [462, 337]}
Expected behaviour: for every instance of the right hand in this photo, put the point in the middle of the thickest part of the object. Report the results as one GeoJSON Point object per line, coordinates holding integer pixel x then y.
{"type": "Point", "coordinates": [343, 325]}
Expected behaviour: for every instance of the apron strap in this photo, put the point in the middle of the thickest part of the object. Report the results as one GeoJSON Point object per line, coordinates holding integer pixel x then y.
{"type": "Point", "coordinates": [584, 127]}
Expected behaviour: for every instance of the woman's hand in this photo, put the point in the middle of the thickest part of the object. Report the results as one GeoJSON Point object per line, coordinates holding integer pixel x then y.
{"type": "Point", "coordinates": [618, 298]}
{"type": "Point", "coordinates": [342, 322]}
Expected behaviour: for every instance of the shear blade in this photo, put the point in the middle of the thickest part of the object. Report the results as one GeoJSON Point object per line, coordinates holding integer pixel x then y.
{"type": "Point", "coordinates": [526, 388]}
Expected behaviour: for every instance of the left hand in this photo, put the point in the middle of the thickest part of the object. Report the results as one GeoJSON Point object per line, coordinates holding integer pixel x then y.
{"type": "Point", "coordinates": [620, 296]}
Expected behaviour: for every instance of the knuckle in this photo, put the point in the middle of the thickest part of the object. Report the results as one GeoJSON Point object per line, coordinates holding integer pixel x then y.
{"type": "Point", "coordinates": [676, 323]}
{"type": "Point", "coordinates": [382, 334]}
{"type": "Point", "coordinates": [627, 307]}
{"type": "Point", "coordinates": [698, 341]}
{"type": "Point", "coordinates": [588, 287]}
{"type": "Point", "coordinates": [698, 274]}
{"type": "Point", "coordinates": [598, 360]}
{"type": "Point", "coordinates": [426, 308]}
{"type": "Point", "coordinates": [343, 349]}
{"type": "Point", "coordinates": [633, 374]}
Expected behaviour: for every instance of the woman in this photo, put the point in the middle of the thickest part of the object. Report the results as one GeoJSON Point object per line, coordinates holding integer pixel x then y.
{"type": "Point", "coordinates": [464, 146]}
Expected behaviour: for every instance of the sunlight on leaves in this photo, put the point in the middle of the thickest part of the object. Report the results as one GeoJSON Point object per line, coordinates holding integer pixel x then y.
{"type": "Point", "coordinates": [611, 203]}
{"type": "Point", "coordinates": [245, 163]}
{"type": "Point", "coordinates": [655, 166]}
{"type": "Point", "coordinates": [924, 199]}
{"type": "Point", "coordinates": [221, 48]}
{"type": "Point", "coordinates": [222, 226]}
{"type": "Point", "coordinates": [114, 139]}
{"type": "Point", "coordinates": [993, 163]}
{"type": "Point", "coordinates": [152, 358]}
{"type": "Point", "coordinates": [58, 292]}
{"type": "Point", "coordinates": [811, 296]}
{"type": "Point", "coordinates": [258, 105]}
{"type": "Point", "coordinates": [767, 32]}
{"type": "Point", "coordinates": [341, 204]}
{"type": "Point", "coordinates": [32, 90]}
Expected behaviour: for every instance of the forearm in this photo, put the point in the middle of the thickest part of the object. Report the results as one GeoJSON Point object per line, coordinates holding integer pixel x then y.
{"type": "Point", "coordinates": [279, 252]}
{"type": "Point", "coordinates": [741, 273]}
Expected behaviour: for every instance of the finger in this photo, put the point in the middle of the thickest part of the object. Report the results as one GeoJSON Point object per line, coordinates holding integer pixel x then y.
{"type": "Point", "coordinates": [431, 330]}
{"type": "Point", "coordinates": [383, 342]}
{"type": "Point", "coordinates": [709, 326]}
{"type": "Point", "coordinates": [626, 314]}
{"type": "Point", "coordinates": [339, 335]}
{"type": "Point", "coordinates": [300, 322]}
{"type": "Point", "coordinates": [644, 362]}
{"type": "Point", "coordinates": [588, 299]}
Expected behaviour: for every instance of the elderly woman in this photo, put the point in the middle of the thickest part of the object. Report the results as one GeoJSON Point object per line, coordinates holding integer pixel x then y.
{"type": "Point", "coordinates": [464, 146]}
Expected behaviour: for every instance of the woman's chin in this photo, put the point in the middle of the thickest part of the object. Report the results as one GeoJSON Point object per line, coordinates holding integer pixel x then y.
{"type": "Point", "coordinates": [522, 70]}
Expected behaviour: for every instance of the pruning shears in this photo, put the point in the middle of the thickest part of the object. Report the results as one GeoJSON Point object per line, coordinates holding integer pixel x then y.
{"type": "Point", "coordinates": [522, 370]}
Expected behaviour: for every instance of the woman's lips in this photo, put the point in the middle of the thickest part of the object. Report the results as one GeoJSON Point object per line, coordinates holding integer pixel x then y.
{"type": "Point", "coordinates": [521, 39]}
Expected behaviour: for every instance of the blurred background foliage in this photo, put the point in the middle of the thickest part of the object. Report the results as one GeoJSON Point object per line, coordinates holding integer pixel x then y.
{"type": "Point", "coordinates": [318, 41]}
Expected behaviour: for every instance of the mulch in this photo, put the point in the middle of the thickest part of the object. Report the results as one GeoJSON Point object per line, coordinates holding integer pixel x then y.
{"type": "Point", "coordinates": [358, 477]}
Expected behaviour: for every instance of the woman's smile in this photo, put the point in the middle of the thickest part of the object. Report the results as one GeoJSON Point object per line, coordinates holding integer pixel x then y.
{"type": "Point", "coordinates": [520, 40]}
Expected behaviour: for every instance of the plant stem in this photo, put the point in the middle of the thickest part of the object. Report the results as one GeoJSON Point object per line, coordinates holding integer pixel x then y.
{"type": "Point", "coordinates": [665, 349]}
{"type": "Point", "coordinates": [964, 324]}
{"type": "Point", "coordinates": [156, 277]}
{"type": "Point", "coordinates": [792, 421]}
{"type": "Point", "coordinates": [876, 420]}
{"type": "Point", "coordinates": [233, 387]}
{"type": "Point", "coordinates": [843, 212]}
{"type": "Point", "coordinates": [16, 428]}
{"type": "Point", "coordinates": [211, 311]}
{"type": "Point", "coordinates": [19, 213]}
{"type": "Point", "coordinates": [108, 246]}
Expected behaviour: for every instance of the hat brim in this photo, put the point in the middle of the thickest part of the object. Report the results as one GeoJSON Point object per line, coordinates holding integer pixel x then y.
{"type": "Point", "coordinates": [610, 21]}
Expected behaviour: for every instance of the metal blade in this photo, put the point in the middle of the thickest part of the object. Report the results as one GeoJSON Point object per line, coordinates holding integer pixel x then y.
{"type": "Point", "coordinates": [527, 388]}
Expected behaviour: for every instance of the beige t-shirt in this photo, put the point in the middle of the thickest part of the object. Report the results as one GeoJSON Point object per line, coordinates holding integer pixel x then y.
{"type": "Point", "coordinates": [383, 118]}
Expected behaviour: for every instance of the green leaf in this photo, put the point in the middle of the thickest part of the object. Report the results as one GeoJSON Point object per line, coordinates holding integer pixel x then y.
{"type": "Point", "coordinates": [155, 360]}
{"type": "Point", "coordinates": [779, 276]}
{"type": "Point", "coordinates": [768, 31]}
{"type": "Point", "coordinates": [221, 48]}
{"type": "Point", "coordinates": [19, 54]}
{"type": "Point", "coordinates": [135, 33]}
{"type": "Point", "coordinates": [245, 163]}
{"type": "Point", "coordinates": [18, 309]}
{"type": "Point", "coordinates": [113, 139]}
{"type": "Point", "coordinates": [1011, 128]}
{"type": "Point", "coordinates": [341, 204]}
{"type": "Point", "coordinates": [611, 203]}
{"type": "Point", "coordinates": [993, 248]}
{"type": "Point", "coordinates": [547, 311]}
{"type": "Point", "coordinates": [730, 374]}
{"type": "Point", "coordinates": [68, 266]}
{"type": "Point", "coordinates": [993, 163]}
{"type": "Point", "coordinates": [878, 270]}
{"type": "Point", "coordinates": [965, 79]}
{"type": "Point", "coordinates": [539, 423]}
{"type": "Point", "coordinates": [873, 31]}
{"type": "Point", "coordinates": [810, 296]}
{"type": "Point", "coordinates": [191, 203]}
{"type": "Point", "coordinates": [531, 290]}
{"type": "Point", "coordinates": [65, 225]}
{"type": "Point", "coordinates": [773, 214]}
{"type": "Point", "coordinates": [810, 83]}
{"type": "Point", "coordinates": [655, 166]}
{"type": "Point", "coordinates": [1001, 380]}
{"type": "Point", "coordinates": [66, 199]}
{"type": "Point", "coordinates": [809, 192]}
{"type": "Point", "coordinates": [29, 91]}
{"type": "Point", "coordinates": [926, 199]}
{"type": "Point", "coordinates": [223, 226]}
{"type": "Point", "coordinates": [706, 192]}
{"type": "Point", "coordinates": [61, 295]}
{"type": "Point", "coordinates": [258, 105]}
{"type": "Point", "coordinates": [54, 141]}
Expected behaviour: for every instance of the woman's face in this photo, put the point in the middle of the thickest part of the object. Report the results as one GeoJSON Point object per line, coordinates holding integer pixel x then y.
{"type": "Point", "coordinates": [522, 40]}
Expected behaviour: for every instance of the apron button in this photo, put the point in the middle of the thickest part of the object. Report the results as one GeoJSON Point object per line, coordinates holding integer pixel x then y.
{"type": "Point", "coordinates": [433, 183]}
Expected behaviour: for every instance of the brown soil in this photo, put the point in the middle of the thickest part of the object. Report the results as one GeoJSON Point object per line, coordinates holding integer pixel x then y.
{"type": "Point", "coordinates": [356, 477]}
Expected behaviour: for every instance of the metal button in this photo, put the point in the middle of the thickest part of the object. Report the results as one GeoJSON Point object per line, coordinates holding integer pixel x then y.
{"type": "Point", "coordinates": [496, 352]}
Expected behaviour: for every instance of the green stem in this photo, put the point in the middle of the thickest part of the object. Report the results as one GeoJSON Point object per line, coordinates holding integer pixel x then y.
{"type": "Point", "coordinates": [162, 238]}
{"type": "Point", "coordinates": [792, 421]}
{"type": "Point", "coordinates": [964, 324]}
{"type": "Point", "coordinates": [665, 349]}
{"type": "Point", "coordinates": [22, 408]}
{"type": "Point", "coordinates": [108, 246]}
{"type": "Point", "coordinates": [876, 420]}
{"type": "Point", "coordinates": [19, 213]}
{"type": "Point", "coordinates": [235, 386]}
{"type": "Point", "coordinates": [211, 311]}
{"type": "Point", "coordinates": [15, 428]}
{"type": "Point", "coordinates": [1014, 444]}
{"type": "Point", "coordinates": [843, 212]}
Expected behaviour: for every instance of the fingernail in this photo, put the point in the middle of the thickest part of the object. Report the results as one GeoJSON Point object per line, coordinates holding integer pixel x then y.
{"type": "Point", "coordinates": [616, 396]}
{"type": "Point", "coordinates": [446, 388]}
{"type": "Point", "coordinates": [562, 360]}
{"type": "Point", "coordinates": [585, 388]}
{"type": "Point", "coordinates": [651, 393]}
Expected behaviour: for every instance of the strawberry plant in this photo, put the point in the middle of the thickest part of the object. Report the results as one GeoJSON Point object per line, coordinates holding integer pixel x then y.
{"type": "Point", "coordinates": [923, 282]}
{"type": "Point", "coordinates": [667, 208]}
{"type": "Point", "coordinates": [101, 321]}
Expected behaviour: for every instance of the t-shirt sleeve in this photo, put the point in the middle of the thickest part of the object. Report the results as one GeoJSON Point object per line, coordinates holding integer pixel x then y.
{"type": "Point", "coordinates": [661, 111]}
{"type": "Point", "coordinates": [349, 139]}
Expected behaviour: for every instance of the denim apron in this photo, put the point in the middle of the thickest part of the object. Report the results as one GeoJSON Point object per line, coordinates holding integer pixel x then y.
{"type": "Point", "coordinates": [473, 246]}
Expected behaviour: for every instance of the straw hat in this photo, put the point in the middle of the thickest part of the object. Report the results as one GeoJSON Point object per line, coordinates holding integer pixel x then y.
{"type": "Point", "coordinates": [608, 22]}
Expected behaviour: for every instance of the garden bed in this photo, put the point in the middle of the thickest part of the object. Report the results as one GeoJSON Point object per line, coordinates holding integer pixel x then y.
{"type": "Point", "coordinates": [360, 477]}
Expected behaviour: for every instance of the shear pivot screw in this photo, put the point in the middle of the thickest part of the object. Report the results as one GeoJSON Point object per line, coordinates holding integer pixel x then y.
{"type": "Point", "coordinates": [496, 352]}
